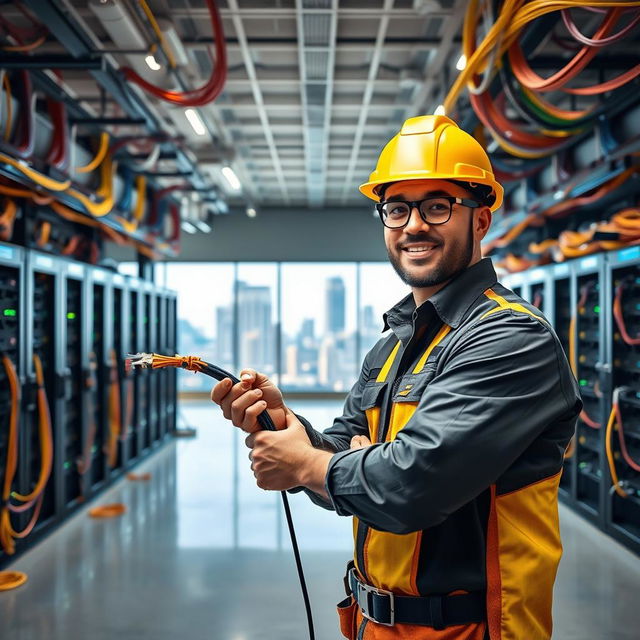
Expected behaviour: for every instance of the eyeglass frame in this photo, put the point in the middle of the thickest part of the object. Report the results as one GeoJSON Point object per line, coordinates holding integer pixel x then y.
{"type": "Point", "coordinates": [467, 202]}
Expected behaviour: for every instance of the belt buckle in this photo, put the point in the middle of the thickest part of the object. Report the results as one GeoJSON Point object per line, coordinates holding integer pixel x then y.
{"type": "Point", "coordinates": [365, 591]}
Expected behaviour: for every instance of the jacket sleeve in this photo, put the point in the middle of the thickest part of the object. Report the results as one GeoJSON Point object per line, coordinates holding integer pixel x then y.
{"type": "Point", "coordinates": [504, 382]}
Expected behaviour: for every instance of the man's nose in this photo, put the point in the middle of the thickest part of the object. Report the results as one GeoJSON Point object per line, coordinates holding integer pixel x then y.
{"type": "Point", "coordinates": [415, 222]}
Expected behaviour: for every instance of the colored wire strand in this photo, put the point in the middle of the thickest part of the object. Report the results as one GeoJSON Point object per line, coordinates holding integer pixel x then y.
{"type": "Point", "coordinates": [211, 89]}
{"type": "Point", "coordinates": [196, 364]}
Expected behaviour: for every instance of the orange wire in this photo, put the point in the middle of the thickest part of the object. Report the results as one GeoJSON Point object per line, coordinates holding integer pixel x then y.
{"type": "Point", "coordinates": [115, 417]}
{"type": "Point", "coordinates": [19, 48]}
{"type": "Point", "coordinates": [45, 434]}
{"type": "Point", "coordinates": [6, 538]}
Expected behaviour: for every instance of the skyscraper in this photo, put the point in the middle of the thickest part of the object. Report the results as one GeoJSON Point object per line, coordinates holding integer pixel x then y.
{"type": "Point", "coordinates": [335, 305]}
{"type": "Point", "coordinates": [256, 334]}
{"type": "Point", "coordinates": [224, 336]}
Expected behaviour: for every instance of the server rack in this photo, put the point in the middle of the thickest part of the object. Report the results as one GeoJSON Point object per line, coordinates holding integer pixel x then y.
{"type": "Point", "coordinates": [43, 302]}
{"type": "Point", "coordinates": [78, 321]}
{"type": "Point", "coordinates": [12, 341]}
{"type": "Point", "coordinates": [580, 299]}
{"type": "Point", "coordinates": [622, 514]}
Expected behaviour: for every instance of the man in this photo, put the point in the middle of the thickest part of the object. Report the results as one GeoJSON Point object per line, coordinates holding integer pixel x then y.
{"type": "Point", "coordinates": [450, 448]}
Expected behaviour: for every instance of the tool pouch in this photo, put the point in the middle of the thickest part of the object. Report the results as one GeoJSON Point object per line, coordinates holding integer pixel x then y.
{"type": "Point", "coordinates": [347, 612]}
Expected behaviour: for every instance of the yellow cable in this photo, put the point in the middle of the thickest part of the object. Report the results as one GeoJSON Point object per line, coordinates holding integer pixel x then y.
{"type": "Point", "coordinates": [37, 177]}
{"type": "Point", "coordinates": [141, 197]}
{"type": "Point", "coordinates": [105, 193]}
{"type": "Point", "coordinates": [156, 27]}
{"type": "Point", "coordinates": [99, 157]}
{"type": "Point", "coordinates": [9, 102]}
{"type": "Point", "coordinates": [612, 465]}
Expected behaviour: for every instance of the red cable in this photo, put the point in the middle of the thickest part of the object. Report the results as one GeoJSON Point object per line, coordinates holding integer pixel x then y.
{"type": "Point", "coordinates": [530, 79]}
{"type": "Point", "coordinates": [211, 89]}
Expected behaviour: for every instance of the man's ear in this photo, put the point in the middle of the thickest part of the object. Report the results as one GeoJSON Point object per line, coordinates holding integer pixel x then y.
{"type": "Point", "coordinates": [483, 222]}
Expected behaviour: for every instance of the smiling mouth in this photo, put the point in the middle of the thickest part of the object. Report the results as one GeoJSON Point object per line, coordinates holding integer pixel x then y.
{"type": "Point", "coordinates": [419, 251]}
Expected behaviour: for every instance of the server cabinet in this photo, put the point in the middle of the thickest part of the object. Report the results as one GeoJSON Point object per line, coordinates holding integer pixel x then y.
{"type": "Point", "coordinates": [140, 337]}
{"type": "Point", "coordinates": [65, 329]}
{"type": "Point", "coordinates": [587, 356]}
{"type": "Point", "coordinates": [120, 349]}
{"type": "Point", "coordinates": [151, 332]}
{"type": "Point", "coordinates": [559, 312]}
{"type": "Point", "coordinates": [80, 433]}
{"type": "Point", "coordinates": [12, 346]}
{"type": "Point", "coordinates": [43, 366]}
{"type": "Point", "coordinates": [622, 506]}
{"type": "Point", "coordinates": [172, 374]}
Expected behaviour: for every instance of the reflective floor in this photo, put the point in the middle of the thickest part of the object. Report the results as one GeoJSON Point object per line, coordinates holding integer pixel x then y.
{"type": "Point", "coordinates": [202, 553]}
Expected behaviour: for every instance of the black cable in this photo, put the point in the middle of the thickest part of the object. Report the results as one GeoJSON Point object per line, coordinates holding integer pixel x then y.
{"type": "Point", "coordinates": [264, 419]}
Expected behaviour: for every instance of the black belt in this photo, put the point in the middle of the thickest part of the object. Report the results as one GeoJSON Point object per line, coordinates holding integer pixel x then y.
{"type": "Point", "coordinates": [439, 612]}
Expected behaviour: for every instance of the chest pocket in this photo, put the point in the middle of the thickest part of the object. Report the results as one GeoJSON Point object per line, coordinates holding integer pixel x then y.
{"type": "Point", "coordinates": [410, 388]}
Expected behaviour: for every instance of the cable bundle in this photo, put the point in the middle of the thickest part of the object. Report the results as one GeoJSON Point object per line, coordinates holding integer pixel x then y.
{"type": "Point", "coordinates": [615, 423]}
{"type": "Point", "coordinates": [541, 128]}
{"type": "Point", "coordinates": [34, 499]}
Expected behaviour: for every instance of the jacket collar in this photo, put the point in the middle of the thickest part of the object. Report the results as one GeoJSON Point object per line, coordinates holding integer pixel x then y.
{"type": "Point", "coordinates": [451, 303]}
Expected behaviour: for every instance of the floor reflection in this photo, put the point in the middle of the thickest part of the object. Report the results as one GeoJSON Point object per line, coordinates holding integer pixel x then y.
{"type": "Point", "coordinates": [203, 552]}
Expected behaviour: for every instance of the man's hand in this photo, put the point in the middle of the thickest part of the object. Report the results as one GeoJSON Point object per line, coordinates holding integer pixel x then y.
{"type": "Point", "coordinates": [359, 442]}
{"type": "Point", "coordinates": [281, 460]}
{"type": "Point", "coordinates": [243, 402]}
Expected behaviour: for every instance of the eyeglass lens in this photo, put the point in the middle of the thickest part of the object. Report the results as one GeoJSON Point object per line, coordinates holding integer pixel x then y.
{"type": "Point", "coordinates": [433, 210]}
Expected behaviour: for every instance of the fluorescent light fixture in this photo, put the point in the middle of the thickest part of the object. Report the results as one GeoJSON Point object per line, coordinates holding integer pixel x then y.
{"type": "Point", "coordinates": [203, 226]}
{"type": "Point", "coordinates": [152, 63]}
{"type": "Point", "coordinates": [492, 146]}
{"type": "Point", "coordinates": [231, 178]}
{"type": "Point", "coordinates": [439, 110]}
{"type": "Point", "coordinates": [188, 227]}
{"type": "Point", "coordinates": [251, 212]}
{"type": "Point", "coordinates": [462, 62]}
{"type": "Point", "coordinates": [558, 195]}
{"type": "Point", "coordinates": [195, 121]}
{"type": "Point", "coordinates": [172, 39]}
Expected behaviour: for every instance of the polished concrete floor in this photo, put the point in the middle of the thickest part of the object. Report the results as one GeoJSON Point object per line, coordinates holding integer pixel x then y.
{"type": "Point", "coordinates": [203, 554]}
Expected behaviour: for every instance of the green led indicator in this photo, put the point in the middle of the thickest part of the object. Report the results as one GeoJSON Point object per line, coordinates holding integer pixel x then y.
{"type": "Point", "coordinates": [145, 320]}
{"type": "Point", "coordinates": [67, 465]}
{"type": "Point", "coordinates": [94, 448]}
{"type": "Point", "coordinates": [11, 313]}
{"type": "Point", "coordinates": [583, 383]}
{"type": "Point", "coordinates": [71, 315]}
{"type": "Point", "coordinates": [596, 309]}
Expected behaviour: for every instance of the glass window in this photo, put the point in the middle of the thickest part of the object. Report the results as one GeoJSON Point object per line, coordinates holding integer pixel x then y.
{"type": "Point", "coordinates": [380, 289]}
{"type": "Point", "coordinates": [318, 326]}
{"type": "Point", "coordinates": [257, 309]}
{"type": "Point", "coordinates": [205, 316]}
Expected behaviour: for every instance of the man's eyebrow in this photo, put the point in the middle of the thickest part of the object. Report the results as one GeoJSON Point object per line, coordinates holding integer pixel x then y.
{"type": "Point", "coordinates": [429, 194]}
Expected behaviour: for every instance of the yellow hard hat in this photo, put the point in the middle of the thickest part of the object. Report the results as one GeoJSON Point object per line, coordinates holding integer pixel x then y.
{"type": "Point", "coordinates": [434, 147]}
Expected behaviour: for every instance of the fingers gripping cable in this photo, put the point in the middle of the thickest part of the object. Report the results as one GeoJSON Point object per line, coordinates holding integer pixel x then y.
{"type": "Point", "coordinates": [193, 363]}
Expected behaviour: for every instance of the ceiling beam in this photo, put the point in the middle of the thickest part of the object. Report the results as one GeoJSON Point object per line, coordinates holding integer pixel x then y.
{"type": "Point", "coordinates": [368, 93]}
{"type": "Point", "coordinates": [257, 94]}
